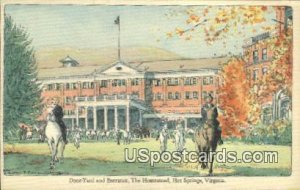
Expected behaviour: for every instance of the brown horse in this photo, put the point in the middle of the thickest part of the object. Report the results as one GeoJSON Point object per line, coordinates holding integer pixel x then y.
{"type": "Point", "coordinates": [206, 141]}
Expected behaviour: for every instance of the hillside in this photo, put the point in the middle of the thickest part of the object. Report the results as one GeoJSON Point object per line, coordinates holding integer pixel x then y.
{"type": "Point", "coordinates": [49, 57]}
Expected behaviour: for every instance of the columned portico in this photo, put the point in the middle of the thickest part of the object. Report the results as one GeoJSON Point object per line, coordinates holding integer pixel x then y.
{"type": "Point", "coordinates": [108, 103]}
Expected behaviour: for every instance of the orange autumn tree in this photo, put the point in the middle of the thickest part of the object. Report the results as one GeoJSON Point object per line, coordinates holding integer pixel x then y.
{"type": "Point", "coordinates": [234, 98]}
{"type": "Point", "coordinates": [220, 22]}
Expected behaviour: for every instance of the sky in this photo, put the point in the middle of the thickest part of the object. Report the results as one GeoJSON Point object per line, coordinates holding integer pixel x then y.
{"type": "Point", "coordinates": [92, 26]}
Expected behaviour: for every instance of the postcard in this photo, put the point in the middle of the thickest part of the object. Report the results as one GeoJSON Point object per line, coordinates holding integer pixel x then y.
{"type": "Point", "coordinates": [135, 95]}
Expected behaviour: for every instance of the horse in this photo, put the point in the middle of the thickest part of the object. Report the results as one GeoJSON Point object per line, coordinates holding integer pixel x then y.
{"type": "Point", "coordinates": [54, 136]}
{"type": "Point", "coordinates": [179, 140]}
{"type": "Point", "coordinates": [206, 141]}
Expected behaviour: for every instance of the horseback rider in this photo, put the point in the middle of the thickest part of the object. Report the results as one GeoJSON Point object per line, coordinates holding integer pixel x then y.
{"type": "Point", "coordinates": [209, 114]}
{"type": "Point", "coordinates": [59, 114]}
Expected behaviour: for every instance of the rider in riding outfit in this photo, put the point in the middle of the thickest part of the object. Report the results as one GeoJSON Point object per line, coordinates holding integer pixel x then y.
{"type": "Point", "coordinates": [59, 114]}
{"type": "Point", "coordinates": [209, 114]}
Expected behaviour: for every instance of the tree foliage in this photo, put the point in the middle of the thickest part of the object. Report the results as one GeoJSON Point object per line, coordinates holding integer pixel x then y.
{"type": "Point", "coordinates": [22, 102]}
{"type": "Point", "coordinates": [234, 98]}
{"type": "Point", "coordinates": [220, 22]}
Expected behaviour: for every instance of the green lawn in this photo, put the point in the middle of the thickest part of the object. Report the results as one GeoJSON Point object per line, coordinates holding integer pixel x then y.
{"type": "Point", "coordinates": [96, 158]}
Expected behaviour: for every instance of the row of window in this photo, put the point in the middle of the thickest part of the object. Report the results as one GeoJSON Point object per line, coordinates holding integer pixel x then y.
{"type": "Point", "coordinates": [134, 82]}
{"type": "Point", "coordinates": [264, 55]}
{"type": "Point", "coordinates": [187, 81]}
{"type": "Point", "coordinates": [187, 95]}
{"type": "Point", "coordinates": [71, 99]}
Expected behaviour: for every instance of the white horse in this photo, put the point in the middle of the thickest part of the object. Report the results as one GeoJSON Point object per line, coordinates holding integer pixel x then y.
{"type": "Point", "coordinates": [54, 136]}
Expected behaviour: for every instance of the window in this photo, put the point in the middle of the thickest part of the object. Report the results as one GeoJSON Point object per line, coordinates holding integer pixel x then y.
{"type": "Point", "coordinates": [208, 80]}
{"type": "Point", "coordinates": [170, 96]}
{"type": "Point", "coordinates": [73, 86]}
{"type": "Point", "coordinates": [204, 94]}
{"type": "Point", "coordinates": [157, 82]}
{"type": "Point", "coordinates": [190, 81]}
{"type": "Point", "coordinates": [121, 82]}
{"type": "Point", "coordinates": [177, 96]}
{"type": "Point", "coordinates": [264, 70]}
{"type": "Point", "coordinates": [255, 72]}
{"type": "Point", "coordinates": [114, 83]}
{"type": "Point", "coordinates": [135, 82]}
{"type": "Point", "coordinates": [103, 83]}
{"type": "Point", "coordinates": [159, 96]}
{"type": "Point", "coordinates": [173, 82]}
{"type": "Point", "coordinates": [68, 100]}
{"type": "Point", "coordinates": [187, 95]}
{"type": "Point", "coordinates": [87, 85]}
{"type": "Point", "coordinates": [195, 95]}
{"type": "Point", "coordinates": [56, 86]}
{"type": "Point", "coordinates": [264, 54]}
{"type": "Point", "coordinates": [255, 56]}
{"type": "Point", "coordinates": [67, 86]}
{"type": "Point", "coordinates": [50, 87]}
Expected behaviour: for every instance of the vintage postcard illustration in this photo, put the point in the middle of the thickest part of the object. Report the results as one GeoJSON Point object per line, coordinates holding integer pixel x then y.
{"type": "Point", "coordinates": [187, 91]}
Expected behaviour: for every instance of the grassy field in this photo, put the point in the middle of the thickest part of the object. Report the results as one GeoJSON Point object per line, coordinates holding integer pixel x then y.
{"type": "Point", "coordinates": [96, 158]}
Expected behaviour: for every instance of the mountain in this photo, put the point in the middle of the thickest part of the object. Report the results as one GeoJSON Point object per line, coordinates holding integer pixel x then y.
{"type": "Point", "coordinates": [49, 57]}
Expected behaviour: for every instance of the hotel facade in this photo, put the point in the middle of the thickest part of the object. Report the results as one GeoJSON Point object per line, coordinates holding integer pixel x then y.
{"type": "Point", "coordinates": [126, 94]}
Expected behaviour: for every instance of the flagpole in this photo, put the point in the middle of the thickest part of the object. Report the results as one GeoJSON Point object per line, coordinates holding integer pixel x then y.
{"type": "Point", "coordinates": [119, 49]}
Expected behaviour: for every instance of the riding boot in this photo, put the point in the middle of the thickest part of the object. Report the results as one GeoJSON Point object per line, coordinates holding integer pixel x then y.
{"type": "Point", "coordinates": [64, 136]}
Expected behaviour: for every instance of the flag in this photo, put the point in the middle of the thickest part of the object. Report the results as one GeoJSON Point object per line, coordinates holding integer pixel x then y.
{"type": "Point", "coordinates": [117, 21]}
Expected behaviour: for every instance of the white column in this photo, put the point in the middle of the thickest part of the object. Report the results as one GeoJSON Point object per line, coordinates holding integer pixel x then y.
{"type": "Point", "coordinates": [77, 116]}
{"type": "Point", "coordinates": [95, 117]}
{"type": "Point", "coordinates": [72, 123]}
{"type": "Point", "coordinates": [127, 117]}
{"type": "Point", "coordinates": [86, 117]}
{"type": "Point", "coordinates": [105, 119]}
{"type": "Point", "coordinates": [116, 117]}
{"type": "Point", "coordinates": [140, 117]}
{"type": "Point", "coordinates": [185, 124]}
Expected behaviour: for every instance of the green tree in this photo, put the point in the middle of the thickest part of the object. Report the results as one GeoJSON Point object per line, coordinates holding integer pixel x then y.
{"type": "Point", "coordinates": [22, 92]}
